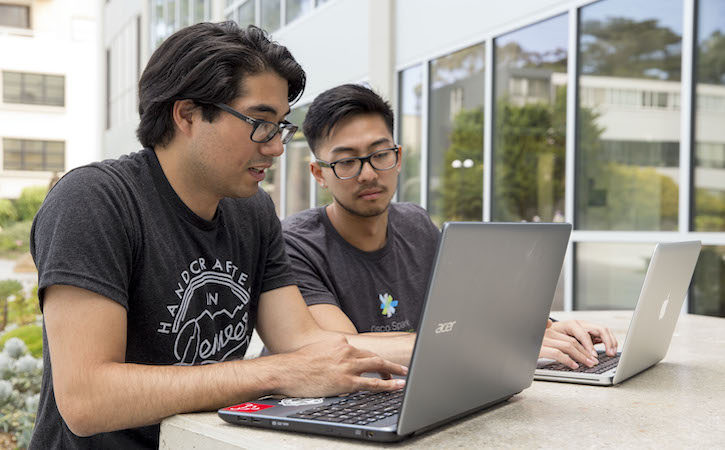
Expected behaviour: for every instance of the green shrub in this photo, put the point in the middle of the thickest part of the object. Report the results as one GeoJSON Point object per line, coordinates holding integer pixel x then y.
{"type": "Point", "coordinates": [29, 202]}
{"type": "Point", "coordinates": [32, 335]}
{"type": "Point", "coordinates": [8, 214]}
{"type": "Point", "coordinates": [15, 239]}
{"type": "Point", "coordinates": [20, 379]}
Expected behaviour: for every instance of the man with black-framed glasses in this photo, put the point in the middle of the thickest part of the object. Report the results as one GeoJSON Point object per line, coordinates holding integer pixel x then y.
{"type": "Point", "coordinates": [154, 268]}
{"type": "Point", "coordinates": [362, 262]}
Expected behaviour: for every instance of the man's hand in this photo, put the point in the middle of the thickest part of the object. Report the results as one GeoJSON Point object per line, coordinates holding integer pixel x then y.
{"type": "Point", "coordinates": [572, 341]}
{"type": "Point", "coordinates": [334, 367]}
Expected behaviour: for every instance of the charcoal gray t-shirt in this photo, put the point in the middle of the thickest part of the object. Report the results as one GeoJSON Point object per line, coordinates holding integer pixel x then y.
{"type": "Point", "coordinates": [379, 291]}
{"type": "Point", "coordinates": [190, 286]}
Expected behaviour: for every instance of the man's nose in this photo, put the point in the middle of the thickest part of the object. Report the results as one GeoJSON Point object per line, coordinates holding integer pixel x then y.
{"type": "Point", "coordinates": [273, 147]}
{"type": "Point", "coordinates": [367, 172]}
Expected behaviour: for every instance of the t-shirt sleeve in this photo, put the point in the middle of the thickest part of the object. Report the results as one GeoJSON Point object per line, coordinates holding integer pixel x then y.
{"type": "Point", "coordinates": [277, 272]}
{"type": "Point", "coordinates": [308, 273]}
{"type": "Point", "coordinates": [82, 236]}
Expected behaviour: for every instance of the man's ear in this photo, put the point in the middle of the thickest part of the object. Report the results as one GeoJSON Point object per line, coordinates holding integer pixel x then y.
{"type": "Point", "coordinates": [183, 115]}
{"type": "Point", "coordinates": [400, 158]}
{"type": "Point", "coordinates": [316, 172]}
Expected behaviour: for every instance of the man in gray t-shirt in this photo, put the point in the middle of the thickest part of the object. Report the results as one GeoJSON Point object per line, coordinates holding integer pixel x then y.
{"type": "Point", "coordinates": [379, 290]}
{"type": "Point", "coordinates": [362, 263]}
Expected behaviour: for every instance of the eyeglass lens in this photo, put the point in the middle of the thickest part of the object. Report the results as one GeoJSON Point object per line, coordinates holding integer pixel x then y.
{"type": "Point", "coordinates": [380, 160]}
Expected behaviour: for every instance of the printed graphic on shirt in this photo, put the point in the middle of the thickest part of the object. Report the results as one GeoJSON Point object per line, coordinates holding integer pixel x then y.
{"type": "Point", "coordinates": [403, 325]}
{"type": "Point", "coordinates": [387, 304]}
{"type": "Point", "coordinates": [211, 317]}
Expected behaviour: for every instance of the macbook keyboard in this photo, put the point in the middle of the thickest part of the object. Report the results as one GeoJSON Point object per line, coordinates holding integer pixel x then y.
{"type": "Point", "coordinates": [605, 363]}
{"type": "Point", "coordinates": [359, 409]}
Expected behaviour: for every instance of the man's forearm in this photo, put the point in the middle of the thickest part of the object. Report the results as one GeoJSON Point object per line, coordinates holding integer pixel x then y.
{"type": "Point", "coordinates": [393, 346]}
{"type": "Point", "coordinates": [116, 396]}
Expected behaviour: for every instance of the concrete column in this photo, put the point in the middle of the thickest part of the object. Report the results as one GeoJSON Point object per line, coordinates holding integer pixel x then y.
{"type": "Point", "coordinates": [381, 48]}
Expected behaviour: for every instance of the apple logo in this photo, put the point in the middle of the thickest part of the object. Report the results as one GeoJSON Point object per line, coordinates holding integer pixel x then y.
{"type": "Point", "coordinates": [663, 310]}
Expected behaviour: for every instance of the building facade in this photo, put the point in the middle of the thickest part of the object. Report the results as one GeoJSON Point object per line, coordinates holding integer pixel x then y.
{"type": "Point", "coordinates": [607, 114]}
{"type": "Point", "coordinates": [50, 112]}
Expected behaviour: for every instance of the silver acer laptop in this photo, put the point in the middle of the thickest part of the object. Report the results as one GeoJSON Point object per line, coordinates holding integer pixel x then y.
{"type": "Point", "coordinates": [483, 321]}
{"type": "Point", "coordinates": [653, 323]}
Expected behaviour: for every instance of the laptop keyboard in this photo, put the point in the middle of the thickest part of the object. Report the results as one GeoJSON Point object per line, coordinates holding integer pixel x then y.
{"type": "Point", "coordinates": [605, 364]}
{"type": "Point", "coordinates": [359, 409]}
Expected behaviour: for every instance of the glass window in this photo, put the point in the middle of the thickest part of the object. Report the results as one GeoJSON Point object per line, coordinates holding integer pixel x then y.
{"type": "Point", "coordinates": [627, 165]}
{"type": "Point", "coordinates": [200, 10]}
{"type": "Point", "coordinates": [707, 292]}
{"type": "Point", "coordinates": [26, 154]}
{"type": "Point", "coordinates": [709, 160]}
{"type": "Point", "coordinates": [272, 184]}
{"type": "Point", "coordinates": [298, 166]}
{"type": "Point", "coordinates": [168, 16]}
{"type": "Point", "coordinates": [323, 196]}
{"type": "Point", "coordinates": [609, 275]}
{"type": "Point", "coordinates": [455, 157]}
{"type": "Point", "coordinates": [33, 88]}
{"type": "Point", "coordinates": [245, 14]}
{"type": "Point", "coordinates": [16, 16]}
{"type": "Point", "coordinates": [158, 23]}
{"type": "Point", "coordinates": [185, 13]}
{"type": "Point", "coordinates": [530, 131]}
{"type": "Point", "coordinates": [271, 11]}
{"type": "Point", "coordinates": [171, 21]}
{"type": "Point", "coordinates": [410, 133]}
{"type": "Point", "coordinates": [297, 8]}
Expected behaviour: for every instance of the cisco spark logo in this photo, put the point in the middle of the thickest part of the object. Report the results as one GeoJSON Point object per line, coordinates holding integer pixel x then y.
{"type": "Point", "coordinates": [387, 304]}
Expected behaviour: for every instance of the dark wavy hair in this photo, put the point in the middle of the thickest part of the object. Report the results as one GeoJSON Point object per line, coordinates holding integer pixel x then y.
{"type": "Point", "coordinates": [337, 104]}
{"type": "Point", "coordinates": [205, 63]}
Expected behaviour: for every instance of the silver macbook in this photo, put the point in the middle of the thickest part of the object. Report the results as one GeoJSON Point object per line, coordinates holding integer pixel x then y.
{"type": "Point", "coordinates": [482, 325]}
{"type": "Point", "coordinates": [653, 323]}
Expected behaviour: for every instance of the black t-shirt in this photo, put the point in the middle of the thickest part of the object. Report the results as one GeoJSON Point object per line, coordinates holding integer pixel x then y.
{"type": "Point", "coordinates": [379, 291]}
{"type": "Point", "coordinates": [190, 286]}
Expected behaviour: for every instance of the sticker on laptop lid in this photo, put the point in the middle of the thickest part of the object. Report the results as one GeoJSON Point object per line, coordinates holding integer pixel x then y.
{"type": "Point", "coordinates": [248, 407]}
{"type": "Point", "coordinates": [295, 401]}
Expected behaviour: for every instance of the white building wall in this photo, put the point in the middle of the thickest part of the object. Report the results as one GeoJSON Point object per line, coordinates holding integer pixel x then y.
{"type": "Point", "coordinates": [331, 44]}
{"type": "Point", "coordinates": [121, 38]}
{"type": "Point", "coordinates": [63, 40]}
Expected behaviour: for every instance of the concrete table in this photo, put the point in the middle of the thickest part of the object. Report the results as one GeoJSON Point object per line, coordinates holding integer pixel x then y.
{"type": "Point", "coordinates": [679, 403]}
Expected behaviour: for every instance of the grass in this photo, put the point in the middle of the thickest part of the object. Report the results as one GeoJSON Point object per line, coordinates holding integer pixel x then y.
{"type": "Point", "coordinates": [32, 335]}
{"type": "Point", "coordinates": [15, 239]}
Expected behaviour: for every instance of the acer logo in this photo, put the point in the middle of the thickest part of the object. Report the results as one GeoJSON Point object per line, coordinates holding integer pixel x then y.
{"type": "Point", "coordinates": [445, 327]}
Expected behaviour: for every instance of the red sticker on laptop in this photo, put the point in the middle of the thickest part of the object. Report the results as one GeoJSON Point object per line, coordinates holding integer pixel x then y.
{"type": "Point", "coordinates": [248, 407]}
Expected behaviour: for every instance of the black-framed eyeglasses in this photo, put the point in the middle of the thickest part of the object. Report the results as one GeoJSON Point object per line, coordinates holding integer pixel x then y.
{"type": "Point", "coordinates": [263, 131]}
{"type": "Point", "coordinates": [346, 168]}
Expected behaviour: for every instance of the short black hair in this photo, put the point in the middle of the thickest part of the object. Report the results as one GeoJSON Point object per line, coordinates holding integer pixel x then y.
{"type": "Point", "coordinates": [339, 103]}
{"type": "Point", "coordinates": [205, 63]}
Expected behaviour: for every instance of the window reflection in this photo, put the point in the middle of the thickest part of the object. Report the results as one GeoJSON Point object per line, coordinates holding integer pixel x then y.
{"type": "Point", "coordinates": [709, 161]}
{"type": "Point", "coordinates": [409, 135]}
{"type": "Point", "coordinates": [297, 8]}
{"type": "Point", "coordinates": [609, 275]}
{"type": "Point", "coordinates": [530, 132]}
{"type": "Point", "coordinates": [271, 11]}
{"type": "Point", "coordinates": [629, 115]}
{"type": "Point", "coordinates": [272, 184]}
{"type": "Point", "coordinates": [456, 136]}
{"type": "Point", "coordinates": [707, 293]}
{"type": "Point", "coordinates": [298, 165]}
{"type": "Point", "coordinates": [245, 13]}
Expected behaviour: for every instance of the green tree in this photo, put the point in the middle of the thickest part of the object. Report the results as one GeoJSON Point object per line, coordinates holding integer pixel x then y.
{"type": "Point", "coordinates": [29, 202]}
{"type": "Point", "coordinates": [8, 214]}
{"type": "Point", "coordinates": [623, 47]}
{"type": "Point", "coordinates": [529, 161]}
{"type": "Point", "coordinates": [463, 187]}
{"type": "Point", "coordinates": [711, 59]}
